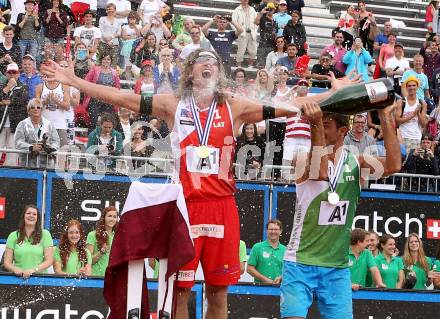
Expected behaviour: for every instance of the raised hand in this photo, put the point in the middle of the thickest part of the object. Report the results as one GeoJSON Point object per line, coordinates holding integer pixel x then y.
{"type": "Point", "coordinates": [54, 72]}
{"type": "Point", "coordinates": [345, 81]}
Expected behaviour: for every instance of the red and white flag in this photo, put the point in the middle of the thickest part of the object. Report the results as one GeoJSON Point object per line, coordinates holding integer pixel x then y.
{"type": "Point", "coordinates": [154, 224]}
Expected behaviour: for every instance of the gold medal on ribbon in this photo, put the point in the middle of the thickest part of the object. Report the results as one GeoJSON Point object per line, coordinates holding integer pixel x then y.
{"type": "Point", "coordinates": [202, 151]}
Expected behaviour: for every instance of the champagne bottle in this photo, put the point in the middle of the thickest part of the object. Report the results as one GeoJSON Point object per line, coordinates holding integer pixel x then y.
{"type": "Point", "coordinates": [359, 98]}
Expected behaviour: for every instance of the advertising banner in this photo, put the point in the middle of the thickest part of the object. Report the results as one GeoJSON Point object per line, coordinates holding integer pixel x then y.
{"type": "Point", "coordinates": [18, 188]}
{"type": "Point", "coordinates": [87, 197]}
{"type": "Point", "coordinates": [247, 301]}
{"type": "Point", "coordinates": [55, 297]}
{"type": "Point", "coordinates": [397, 214]}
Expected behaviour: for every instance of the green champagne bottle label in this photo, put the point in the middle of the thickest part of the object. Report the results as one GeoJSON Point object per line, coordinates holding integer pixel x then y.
{"type": "Point", "coordinates": [377, 92]}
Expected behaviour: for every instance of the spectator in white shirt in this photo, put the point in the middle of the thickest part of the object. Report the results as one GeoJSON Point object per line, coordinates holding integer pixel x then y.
{"type": "Point", "coordinates": [245, 15]}
{"type": "Point", "coordinates": [123, 8]}
{"type": "Point", "coordinates": [88, 34]}
{"type": "Point", "coordinates": [149, 8]}
{"type": "Point", "coordinates": [195, 34]}
{"type": "Point", "coordinates": [111, 30]}
{"type": "Point", "coordinates": [396, 65]}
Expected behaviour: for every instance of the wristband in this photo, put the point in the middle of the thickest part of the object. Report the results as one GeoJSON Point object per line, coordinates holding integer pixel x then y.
{"type": "Point", "coordinates": [146, 106]}
{"type": "Point", "coordinates": [268, 112]}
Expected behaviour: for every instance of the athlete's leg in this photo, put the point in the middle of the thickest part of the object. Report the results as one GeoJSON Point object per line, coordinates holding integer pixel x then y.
{"type": "Point", "coordinates": [183, 295]}
{"type": "Point", "coordinates": [334, 293]}
{"type": "Point", "coordinates": [217, 302]}
{"type": "Point", "coordinates": [299, 282]}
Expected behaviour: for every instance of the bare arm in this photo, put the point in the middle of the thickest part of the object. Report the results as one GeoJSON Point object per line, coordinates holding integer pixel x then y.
{"type": "Point", "coordinates": [423, 119]}
{"type": "Point", "coordinates": [257, 275]}
{"type": "Point", "coordinates": [9, 263]}
{"type": "Point", "coordinates": [207, 25]}
{"type": "Point", "coordinates": [400, 118]}
{"type": "Point", "coordinates": [57, 267]}
{"type": "Point", "coordinates": [238, 29]}
{"type": "Point", "coordinates": [377, 278]}
{"type": "Point", "coordinates": [400, 280]}
{"type": "Point", "coordinates": [163, 104]}
{"type": "Point", "coordinates": [392, 163]}
{"type": "Point", "coordinates": [95, 257]}
{"type": "Point", "coordinates": [317, 158]}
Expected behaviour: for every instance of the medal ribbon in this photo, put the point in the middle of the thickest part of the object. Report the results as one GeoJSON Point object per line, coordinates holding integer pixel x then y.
{"type": "Point", "coordinates": [203, 134]}
{"type": "Point", "coordinates": [333, 180]}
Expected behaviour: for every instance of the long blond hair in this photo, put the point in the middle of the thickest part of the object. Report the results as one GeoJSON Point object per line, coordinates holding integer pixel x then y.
{"type": "Point", "coordinates": [269, 85]}
{"type": "Point", "coordinates": [421, 257]}
{"type": "Point", "coordinates": [186, 80]}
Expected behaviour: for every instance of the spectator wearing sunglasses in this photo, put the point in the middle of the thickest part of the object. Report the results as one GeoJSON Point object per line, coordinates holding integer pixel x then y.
{"type": "Point", "coordinates": [196, 43]}
{"type": "Point", "coordinates": [14, 95]}
{"type": "Point", "coordinates": [321, 72]}
{"type": "Point", "coordinates": [36, 135]}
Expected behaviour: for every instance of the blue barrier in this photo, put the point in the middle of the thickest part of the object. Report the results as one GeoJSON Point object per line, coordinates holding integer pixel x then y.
{"type": "Point", "coordinates": [18, 187]}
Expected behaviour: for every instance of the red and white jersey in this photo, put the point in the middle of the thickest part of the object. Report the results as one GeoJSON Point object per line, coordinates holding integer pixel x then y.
{"type": "Point", "coordinates": [297, 127]}
{"type": "Point", "coordinates": [210, 177]}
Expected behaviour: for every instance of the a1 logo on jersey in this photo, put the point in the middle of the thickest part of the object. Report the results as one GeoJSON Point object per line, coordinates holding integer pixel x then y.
{"type": "Point", "coordinates": [333, 214]}
{"type": "Point", "coordinates": [433, 229]}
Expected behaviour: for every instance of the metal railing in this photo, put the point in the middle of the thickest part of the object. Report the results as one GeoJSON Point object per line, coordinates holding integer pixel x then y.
{"type": "Point", "coordinates": [83, 162]}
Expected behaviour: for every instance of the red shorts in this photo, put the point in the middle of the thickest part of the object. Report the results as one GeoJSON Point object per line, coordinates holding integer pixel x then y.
{"type": "Point", "coordinates": [215, 229]}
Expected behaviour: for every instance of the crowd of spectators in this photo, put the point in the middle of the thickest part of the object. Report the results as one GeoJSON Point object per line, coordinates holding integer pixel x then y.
{"type": "Point", "coordinates": [376, 262]}
{"type": "Point", "coordinates": [141, 45]}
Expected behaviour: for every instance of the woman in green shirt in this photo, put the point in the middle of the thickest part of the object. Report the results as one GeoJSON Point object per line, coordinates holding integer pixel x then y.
{"type": "Point", "coordinates": [436, 269]}
{"type": "Point", "coordinates": [71, 257]}
{"type": "Point", "coordinates": [390, 266]}
{"type": "Point", "coordinates": [29, 249]}
{"type": "Point", "coordinates": [415, 260]}
{"type": "Point", "coordinates": [99, 241]}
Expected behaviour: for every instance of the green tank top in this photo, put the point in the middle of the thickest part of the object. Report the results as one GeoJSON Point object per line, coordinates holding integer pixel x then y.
{"type": "Point", "coordinates": [321, 231]}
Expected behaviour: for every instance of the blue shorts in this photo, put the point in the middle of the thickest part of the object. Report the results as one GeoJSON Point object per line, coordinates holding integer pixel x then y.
{"type": "Point", "coordinates": [331, 287]}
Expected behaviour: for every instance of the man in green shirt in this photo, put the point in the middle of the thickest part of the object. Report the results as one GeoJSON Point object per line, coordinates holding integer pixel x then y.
{"type": "Point", "coordinates": [265, 263]}
{"type": "Point", "coordinates": [327, 192]}
{"type": "Point", "coordinates": [361, 261]}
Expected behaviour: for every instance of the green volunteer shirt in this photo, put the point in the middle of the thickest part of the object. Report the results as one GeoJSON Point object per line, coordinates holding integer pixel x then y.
{"type": "Point", "coordinates": [436, 266]}
{"type": "Point", "coordinates": [421, 274]}
{"type": "Point", "coordinates": [321, 231]}
{"type": "Point", "coordinates": [73, 264]}
{"type": "Point", "coordinates": [389, 271]}
{"type": "Point", "coordinates": [242, 251]}
{"type": "Point", "coordinates": [26, 255]}
{"type": "Point", "coordinates": [267, 260]}
{"type": "Point", "coordinates": [98, 269]}
{"type": "Point", "coordinates": [360, 267]}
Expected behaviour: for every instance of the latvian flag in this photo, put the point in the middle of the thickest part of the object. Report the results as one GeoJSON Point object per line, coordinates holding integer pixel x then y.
{"type": "Point", "coordinates": [153, 224]}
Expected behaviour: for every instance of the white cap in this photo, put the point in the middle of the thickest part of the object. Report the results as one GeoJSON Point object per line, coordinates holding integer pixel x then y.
{"type": "Point", "coordinates": [283, 2]}
{"type": "Point", "coordinates": [12, 67]}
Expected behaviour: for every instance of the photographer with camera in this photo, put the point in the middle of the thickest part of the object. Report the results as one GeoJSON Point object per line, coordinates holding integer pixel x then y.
{"type": "Point", "coordinates": [105, 140]}
{"type": "Point", "coordinates": [221, 40]}
{"type": "Point", "coordinates": [36, 135]}
{"type": "Point", "coordinates": [268, 29]}
{"type": "Point", "coordinates": [422, 161]}
{"type": "Point", "coordinates": [14, 95]}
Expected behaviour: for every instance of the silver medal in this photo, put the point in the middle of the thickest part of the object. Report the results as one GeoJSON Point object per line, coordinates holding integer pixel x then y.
{"type": "Point", "coordinates": [333, 198]}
